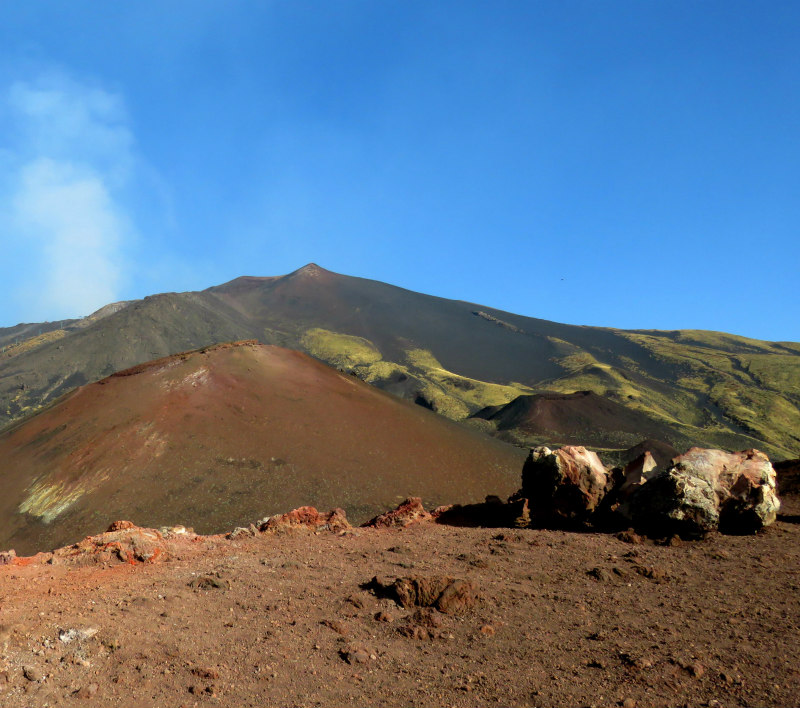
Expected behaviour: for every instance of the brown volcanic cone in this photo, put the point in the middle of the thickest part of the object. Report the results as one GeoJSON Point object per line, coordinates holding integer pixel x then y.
{"type": "Point", "coordinates": [218, 437]}
{"type": "Point", "coordinates": [583, 418]}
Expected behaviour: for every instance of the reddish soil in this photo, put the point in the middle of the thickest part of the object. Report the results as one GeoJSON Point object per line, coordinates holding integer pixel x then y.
{"type": "Point", "coordinates": [217, 437]}
{"type": "Point", "coordinates": [564, 619]}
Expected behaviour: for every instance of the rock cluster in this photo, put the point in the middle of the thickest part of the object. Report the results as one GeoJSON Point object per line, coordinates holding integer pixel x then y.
{"type": "Point", "coordinates": [409, 512]}
{"type": "Point", "coordinates": [306, 517]}
{"type": "Point", "coordinates": [704, 490]}
{"type": "Point", "coordinates": [699, 491]}
{"type": "Point", "coordinates": [124, 542]}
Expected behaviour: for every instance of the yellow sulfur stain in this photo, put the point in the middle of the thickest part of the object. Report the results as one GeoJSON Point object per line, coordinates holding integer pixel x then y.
{"type": "Point", "coordinates": [47, 501]}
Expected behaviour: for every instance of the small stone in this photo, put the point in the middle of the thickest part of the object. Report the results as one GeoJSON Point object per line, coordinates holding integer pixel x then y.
{"type": "Point", "coordinates": [87, 692]}
{"type": "Point", "coordinates": [358, 655]}
{"type": "Point", "coordinates": [120, 526]}
{"type": "Point", "coordinates": [629, 703]}
{"type": "Point", "coordinates": [427, 617]}
{"type": "Point", "coordinates": [356, 601]}
{"type": "Point", "coordinates": [205, 672]}
{"type": "Point", "coordinates": [651, 572]}
{"type": "Point", "coordinates": [336, 626]}
{"type": "Point", "coordinates": [33, 673]}
{"type": "Point", "coordinates": [209, 582]}
{"type": "Point", "coordinates": [459, 598]}
{"type": "Point", "coordinates": [414, 631]}
{"type": "Point", "coordinates": [629, 536]}
{"type": "Point", "coordinates": [600, 574]}
{"type": "Point", "coordinates": [697, 670]}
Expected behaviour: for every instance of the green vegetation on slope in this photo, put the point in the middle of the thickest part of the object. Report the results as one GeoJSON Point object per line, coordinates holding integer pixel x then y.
{"type": "Point", "coordinates": [711, 388]}
{"type": "Point", "coordinates": [446, 392]}
{"type": "Point", "coordinates": [753, 384]}
{"type": "Point", "coordinates": [340, 350]}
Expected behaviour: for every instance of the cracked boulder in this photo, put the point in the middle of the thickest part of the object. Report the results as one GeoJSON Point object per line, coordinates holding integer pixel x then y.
{"type": "Point", "coordinates": [705, 490]}
{"type": "Point", "coordinates": [563, 486]}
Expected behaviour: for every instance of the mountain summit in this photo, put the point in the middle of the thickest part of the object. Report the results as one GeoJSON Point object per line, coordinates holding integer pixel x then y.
{"type": "Point", "coordinates": [453, 357]}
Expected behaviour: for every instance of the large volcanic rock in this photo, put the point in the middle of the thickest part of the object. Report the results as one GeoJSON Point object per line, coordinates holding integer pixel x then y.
{"type": "Point", "coordinates": [563, 486]}
{"type": "Point", "coordinates": [707, 489]}
{"type": "Point", "coordinates": [218, 437]}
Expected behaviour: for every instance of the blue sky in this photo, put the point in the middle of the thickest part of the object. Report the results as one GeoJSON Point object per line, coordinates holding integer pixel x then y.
{"type": "Point", "coordinates": [630, 164]}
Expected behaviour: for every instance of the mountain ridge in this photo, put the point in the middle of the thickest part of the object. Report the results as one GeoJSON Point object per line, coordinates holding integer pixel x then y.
{"type": "Point", "coordinates": [452, 356]}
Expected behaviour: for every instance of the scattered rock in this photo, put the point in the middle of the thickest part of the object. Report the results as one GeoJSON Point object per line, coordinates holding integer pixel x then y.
{"type": "Point", "coordinates": [209, 582]}
{"type": "Point", "coordinates": [205, 672]}
{"type": "Point", "coordinates": [240, 531]}
{"type": "Point", "coordinates": [356, 601]}
{"type": "Point", "coordinates": [33, 673]}
{"type": "Point", "coordinates": [307, 518]}
{"type": "Point", "coordinates": [131, 544]}
{"type": "Point", "coordinates": [86, 692]}
{"type": "Point", "coordinates": [600, 574]}
{"type": "Point", "coordinates": [384, 617]}
{"type": "Point", "coordinates": [636, 662]}
{"type": "Point", "coordinates": [420, 591]}
{"type": "Point", "coordinates": [409, 512]}
{"type": "Point", "coordinates": [651, 572]}
{"type": "Point", "coordinates": [697, 670]}
{"type": "Point", "coordinates": [357, 655]}
{"type": "Point", "coordinates": [70, 635]}
{"type": "Point", "coordinates": [336, 626]}
{"type": "Point", "coordinates": [629, 536]}
{"type": "Point", "coordinates": [120, 526]}
{"type": "Point", "coordinates": [427, 617]}
{"type": "Point", "coordinates": [418, 632]}
{"type": "Point", "coordinates": [445, 594]}
{"type": "Point", "coordinates": [458, 598]}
